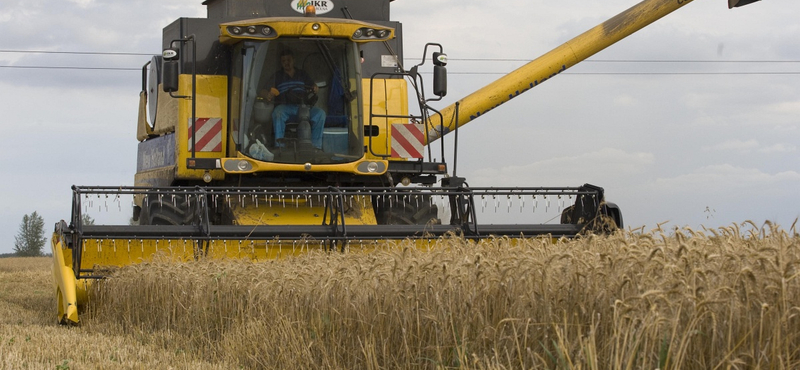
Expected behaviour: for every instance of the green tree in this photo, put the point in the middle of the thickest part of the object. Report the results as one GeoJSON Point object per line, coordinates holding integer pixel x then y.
{"type": "Point", "coordinates": [30, 240]}
{"type": "Point", "coordinates": [86, 220]}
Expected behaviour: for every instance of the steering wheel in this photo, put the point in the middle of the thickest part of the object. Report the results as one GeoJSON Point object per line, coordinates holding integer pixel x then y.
{"type": "Point", "coordinates": [305, 96]}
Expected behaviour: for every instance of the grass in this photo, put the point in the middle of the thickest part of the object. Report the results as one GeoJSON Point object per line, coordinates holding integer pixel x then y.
{"type": "Point", "coordinates": [727, 298]}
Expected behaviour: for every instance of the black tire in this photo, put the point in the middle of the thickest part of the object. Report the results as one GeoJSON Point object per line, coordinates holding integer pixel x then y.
{"type": "Point", "coordinates": [167, 209]}
{"type": "Point", "coordinates": [566, 215]}
{"type": "Point", "coordinates": [406, 209]}
{"type": "Point", "coordinates": [608, 220]}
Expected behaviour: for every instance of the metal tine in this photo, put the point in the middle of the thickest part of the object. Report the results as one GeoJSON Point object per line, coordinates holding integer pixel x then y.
{"type": "Point", "coordinates": [496, 202]}
{"type": "Point", "coordinates": [547, 203]}
{"type": "Point", "coordinates": [560, 203]}
{"type": "Point", "coordinates": [483, 202]}
{"type": "Point", "coordinates": [535, 202]}
{"type": "Point", "coordinates": [521, 202]}
{"type": "Point", "coordinates": [508, 203]}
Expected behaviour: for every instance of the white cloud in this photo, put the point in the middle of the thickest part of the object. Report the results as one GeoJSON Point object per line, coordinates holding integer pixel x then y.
{"type": "Point", "coordinates": [790, 107]}
{"type": "Point", "coordinates": [735, 145]}
{"type": "Point", "coordinates": [82, 3]}
{"type": "Point", "coordinates": [624, 100]}
{"type": "Point", "coordinates": [566, 170]}
{"type": "Point", "coordinates": [726, 177]}
{"type": "Point", "coordinates": [749, 146]}
{"type": "Point", "coordinates": [779, 148]}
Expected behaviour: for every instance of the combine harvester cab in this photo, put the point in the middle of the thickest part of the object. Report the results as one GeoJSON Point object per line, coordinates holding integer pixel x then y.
{"type": "Point", "coordinates": [274, 128]}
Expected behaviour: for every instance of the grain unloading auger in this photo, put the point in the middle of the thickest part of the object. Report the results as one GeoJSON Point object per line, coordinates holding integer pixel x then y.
{"type": "Point", "coordinates": [272, 128]}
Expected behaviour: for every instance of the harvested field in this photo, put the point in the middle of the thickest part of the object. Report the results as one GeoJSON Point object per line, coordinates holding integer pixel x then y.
{"type": "Point", "coordinates": [725, 298]}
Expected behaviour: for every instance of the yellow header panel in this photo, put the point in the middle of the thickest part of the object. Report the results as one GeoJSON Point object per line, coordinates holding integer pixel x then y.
{"type": "Point", "coordinates": [273, 28]}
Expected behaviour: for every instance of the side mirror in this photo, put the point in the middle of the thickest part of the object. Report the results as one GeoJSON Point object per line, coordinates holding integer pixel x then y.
{"type": "Point", "coordinates": [171, 70]}
{"type": "Point", "coordinates": [439, 74]}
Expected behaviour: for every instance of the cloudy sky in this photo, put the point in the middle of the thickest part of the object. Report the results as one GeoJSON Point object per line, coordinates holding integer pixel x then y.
{"type": "Point", "coordinates": [693, 121]}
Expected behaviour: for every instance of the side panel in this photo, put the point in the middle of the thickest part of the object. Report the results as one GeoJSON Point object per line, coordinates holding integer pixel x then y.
{"type": "Point", "coordinates": [388, 97]}
{"type": "Point", "coordinates": [211, 131]}
{"type": "Point", "coordinates": [166, 113]}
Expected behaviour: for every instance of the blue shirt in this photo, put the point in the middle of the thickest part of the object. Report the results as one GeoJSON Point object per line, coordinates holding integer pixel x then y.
{"type": "Point", "coordinates": [286, 84]}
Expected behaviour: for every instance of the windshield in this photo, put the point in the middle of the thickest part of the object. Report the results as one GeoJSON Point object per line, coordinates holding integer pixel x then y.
{"type": "Point", "coordinates": [299, 101]}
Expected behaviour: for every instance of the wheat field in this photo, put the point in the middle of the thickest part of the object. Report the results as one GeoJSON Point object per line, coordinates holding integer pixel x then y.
{"type": "Point", "coordinates": [725, 298]}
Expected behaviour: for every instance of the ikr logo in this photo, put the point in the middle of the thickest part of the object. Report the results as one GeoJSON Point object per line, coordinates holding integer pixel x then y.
{"type": "Point", "coordinates": [323, 6]}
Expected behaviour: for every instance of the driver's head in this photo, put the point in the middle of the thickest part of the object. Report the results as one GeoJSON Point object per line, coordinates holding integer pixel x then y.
{"type": "Point", "coordinates": [287, 60]}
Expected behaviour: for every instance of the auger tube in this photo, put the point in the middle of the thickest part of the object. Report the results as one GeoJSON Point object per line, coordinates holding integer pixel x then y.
{"type": "Point", "coordinates": [551, 64]}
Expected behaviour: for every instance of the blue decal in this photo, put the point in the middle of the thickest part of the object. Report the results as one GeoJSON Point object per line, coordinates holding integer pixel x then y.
{"type": "Point", "coordinates": [156, 153]}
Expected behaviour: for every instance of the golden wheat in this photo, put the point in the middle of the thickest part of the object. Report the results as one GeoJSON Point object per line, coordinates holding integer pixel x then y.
{"type": "Point", "coordinates": [724, 298]}
{"type": "Point", "coordinates": [684, 299]}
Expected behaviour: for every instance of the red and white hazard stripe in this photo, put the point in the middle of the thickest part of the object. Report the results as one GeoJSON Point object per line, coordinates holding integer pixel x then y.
{"type": "Point", "coordinates": [408, 140]}
{"type": "Point", "coordinates": [208, 134]}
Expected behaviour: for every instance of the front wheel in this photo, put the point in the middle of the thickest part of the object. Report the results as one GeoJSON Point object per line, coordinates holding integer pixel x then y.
{"type": "Point", "coordinates": [406, 209]}
{"type": "Point", "coordinates": [168, 209]}
{"type": "Point", "coordinates": [607, 220]}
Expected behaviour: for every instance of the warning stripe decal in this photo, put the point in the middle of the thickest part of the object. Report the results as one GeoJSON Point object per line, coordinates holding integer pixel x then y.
{"type": "Point", "coordinates": [407, 140]}
{"type": "Point", "coordinates": [208, 135]}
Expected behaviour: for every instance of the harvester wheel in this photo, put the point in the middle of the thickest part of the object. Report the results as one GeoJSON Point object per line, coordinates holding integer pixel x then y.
{"type": "Point", "coordinates": [166, 210]}
{"type": "Point", "coordinates": [411, 209]}
{"type": "Point", "coordinates": [608, 219]}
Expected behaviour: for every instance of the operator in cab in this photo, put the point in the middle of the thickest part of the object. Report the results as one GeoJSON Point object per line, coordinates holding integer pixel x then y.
{"type": "Point", "coordinates": [289, 88]}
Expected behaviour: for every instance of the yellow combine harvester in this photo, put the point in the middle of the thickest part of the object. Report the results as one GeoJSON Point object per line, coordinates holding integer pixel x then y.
{"type": "Point", "coordinates": [275, 127]}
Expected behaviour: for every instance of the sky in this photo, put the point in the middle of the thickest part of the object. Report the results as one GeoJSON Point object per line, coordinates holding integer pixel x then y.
{"type": "Point", "coordinates": [693, 121]}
